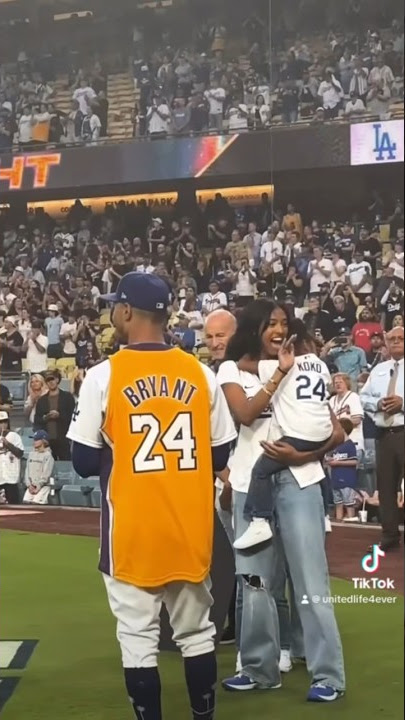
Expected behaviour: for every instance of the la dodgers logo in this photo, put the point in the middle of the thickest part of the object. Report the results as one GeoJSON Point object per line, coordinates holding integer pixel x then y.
{"type": "Point", "coordinates": [384, 149]}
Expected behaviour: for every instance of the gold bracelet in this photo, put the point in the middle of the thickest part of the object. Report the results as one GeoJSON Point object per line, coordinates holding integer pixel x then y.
{"type": "Point", "coordinates": [268, 392]}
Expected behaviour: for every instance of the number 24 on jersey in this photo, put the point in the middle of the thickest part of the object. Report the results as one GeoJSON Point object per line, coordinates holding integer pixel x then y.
{"type": "Point", "coordinates": [176, 438]}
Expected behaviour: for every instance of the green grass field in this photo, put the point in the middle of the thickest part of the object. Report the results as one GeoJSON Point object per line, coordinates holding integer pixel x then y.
{"type": "Point", "coordinates": [51, 591]}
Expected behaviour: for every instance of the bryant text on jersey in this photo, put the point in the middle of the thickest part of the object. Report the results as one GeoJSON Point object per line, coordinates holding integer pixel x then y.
{"type": "Point", "coordinates": [159, 386]}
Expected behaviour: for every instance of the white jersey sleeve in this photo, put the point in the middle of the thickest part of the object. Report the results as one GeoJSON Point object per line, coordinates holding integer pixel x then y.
{"type": "Point", "coordinates": [222, 426]}
{"type": "Point", "coordinates": [88, 417]}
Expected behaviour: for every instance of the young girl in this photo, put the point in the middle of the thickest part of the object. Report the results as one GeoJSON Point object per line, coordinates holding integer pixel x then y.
{"type": "Point", "coordinates": [302, 412]}
{"type": "Point", "coordinates": [39, 470]}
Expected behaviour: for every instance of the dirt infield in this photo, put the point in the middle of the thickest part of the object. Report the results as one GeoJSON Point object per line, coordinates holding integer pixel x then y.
{"type": "Point", "coordinates": [346, 546]}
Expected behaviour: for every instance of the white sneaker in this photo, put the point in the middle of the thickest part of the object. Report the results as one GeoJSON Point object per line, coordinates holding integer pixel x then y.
{"type": "Point", "coordinates": [259, 531]}
{"type": "Point", "coordinates": [285, 663]}
{"type": "Point", "coordinates": [328, 524]}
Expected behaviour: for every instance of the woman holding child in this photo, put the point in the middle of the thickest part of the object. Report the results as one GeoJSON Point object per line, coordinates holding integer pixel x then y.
{"type": "Point", "coordinates": [298, 522]}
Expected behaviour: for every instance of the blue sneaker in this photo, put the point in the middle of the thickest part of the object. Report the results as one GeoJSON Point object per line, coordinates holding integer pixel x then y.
{"type": "Point", "coordinates": [323, 693]}
{"type": "Point", "coordinates": [241, 682]}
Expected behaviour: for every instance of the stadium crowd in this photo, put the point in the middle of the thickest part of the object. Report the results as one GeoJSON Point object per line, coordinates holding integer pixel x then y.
{"type": "Point", "coordinates": [342, 280]}
{"type": "Point", "coordinates": [191, 77]}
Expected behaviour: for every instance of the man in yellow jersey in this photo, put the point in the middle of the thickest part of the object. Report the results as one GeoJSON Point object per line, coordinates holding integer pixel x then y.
{"type": "Point", "coordinates": [153, 424]}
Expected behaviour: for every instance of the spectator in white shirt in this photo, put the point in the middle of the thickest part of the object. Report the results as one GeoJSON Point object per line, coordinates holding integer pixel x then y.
{"type": "Point", "coordinates": [396, 262]}
{"type": "Point", "coordinates": [143, 265]}
{"type": "Point", "coordinates": [11, 452]}
{"type": "Point", "coordinates": [254, 241]}
{"type": "Point", "coordinates": [24, 324]}
{"type": "Point", "coordinates": [272, 251]}
{"type": "Point", "coordinates": [359, 81]}
{"type": "Point", "coordinates": [360, 276]}
{"type": "Point", "coordinates": [245, 285]}
{"type": "Point", "coordinates": [91, 127]}
{"type": "Point", "coordinates": [379, 98]}
{"type": "Point", "coordinates": [214, 299]}
{"type": "Point", "coordinates": [238, 117]}
{"type": "Point", "coordinates": [331, 93]}
{"type": "Point", "coordinates": [158, 117]}
{"type": "Point", "coordinates": [216, 97]}
{"type": "Point", "coordinates": [355, 106]}
{"type": "Point", "coordinates": [84, 95]}
{"type": "Point", "coordinates": [67, 332]}
{"type": "Point", "coordinates": [339, 268]}
{"type": "Point", "coordinates": [25, 125]}
{"type": "Point", "coordinates": [381, 72]}
{"type": "Point", "coordinates": [35, 347]}
{"type": "Point", "coordinates": [319, 271]}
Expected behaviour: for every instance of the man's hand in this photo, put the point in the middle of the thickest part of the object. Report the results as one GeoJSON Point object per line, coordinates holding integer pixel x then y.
{"type": "Point", "coordinates": [283, 453]}
{"type": "Point", "coordinates": [33, 489]}
{"type": "Point", "coordinates": [225, 499]}
{"type": "Point", "coordinates": [53, 415]}
{"type": "Point", "coordinates": [392, 404]}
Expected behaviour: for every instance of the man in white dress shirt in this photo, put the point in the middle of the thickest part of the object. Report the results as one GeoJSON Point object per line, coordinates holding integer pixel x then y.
{"type": "Point", "coordinates": [383, 398]}
{"type": "Point", "coordinates": [319, 271]}
{"type": "Point", "coordinates": [272, 252]}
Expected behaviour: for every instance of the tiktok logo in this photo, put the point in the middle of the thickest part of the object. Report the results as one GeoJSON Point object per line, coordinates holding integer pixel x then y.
{"type": "Point", "coordinates": [371, 562]}
{"type": "Point", "coordinates": [384, 148]}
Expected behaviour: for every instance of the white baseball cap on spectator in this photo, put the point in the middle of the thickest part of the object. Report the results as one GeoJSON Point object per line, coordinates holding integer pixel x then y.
{"type": "Point", "coordinates": [19, 269]}
{"type": "Point", "coordinates": [53, 308]}
{"type": "Point", "coordinates": [3, 416]}
{"type": "Point", "coordinates": [7, 106]}
{"type": "Point", "coordinates": [157, 220]}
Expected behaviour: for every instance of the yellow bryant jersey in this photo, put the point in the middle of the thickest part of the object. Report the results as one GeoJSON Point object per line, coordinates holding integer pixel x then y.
{"type": "Point", "coordinates": [156, 415]}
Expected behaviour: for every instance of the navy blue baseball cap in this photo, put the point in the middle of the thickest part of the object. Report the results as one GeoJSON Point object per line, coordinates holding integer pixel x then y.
{"type": "Point", "coordinates": [40, 435]}
{"type": "Point", "coordinates": [142, 291]}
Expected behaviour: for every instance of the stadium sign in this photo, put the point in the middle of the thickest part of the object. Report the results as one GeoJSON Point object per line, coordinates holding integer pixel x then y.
{"type": "Point", "coordinates": [37, 166]}
{"type": "Point", "coordinates": [377, 143]}
{"type": "Point", "coordinates": [236, 197]}
{"type": "Point", "coordinates": [228, 160]}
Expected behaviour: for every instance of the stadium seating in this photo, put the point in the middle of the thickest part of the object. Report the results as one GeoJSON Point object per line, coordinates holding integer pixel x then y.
{"type": "Point", "coordinates": [64, 472]}
{"type": "Point", "coordinates": [66, 366]}
{"type": "Point", "coordinates": [73, 496]}
{"type": "Point", "coordinates": [17, 389]}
